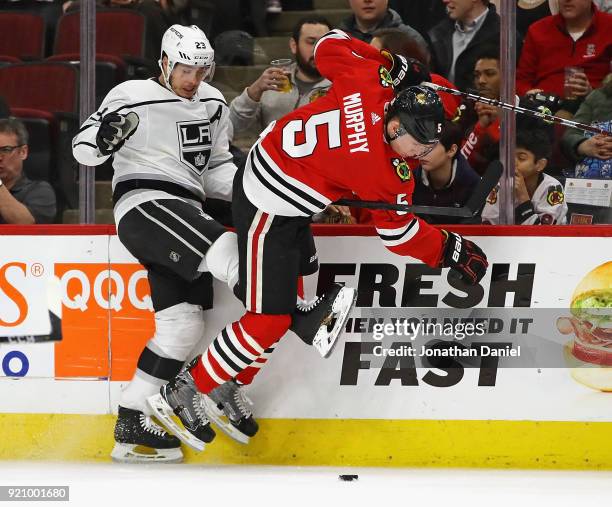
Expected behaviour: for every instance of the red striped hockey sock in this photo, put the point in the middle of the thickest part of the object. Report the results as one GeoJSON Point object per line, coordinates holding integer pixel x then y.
{"type": "Point", "coordinates": [238, 346]}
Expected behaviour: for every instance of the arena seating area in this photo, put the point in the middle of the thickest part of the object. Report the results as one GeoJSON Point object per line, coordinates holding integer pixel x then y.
{"type": "Point", "coordinates": [39, 76]}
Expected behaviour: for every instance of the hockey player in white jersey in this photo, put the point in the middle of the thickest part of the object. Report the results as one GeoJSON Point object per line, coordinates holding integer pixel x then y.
{"type": "Point", "coordinates": [538, 197]}
{"type": "Point", "coordinates": [169, 146]}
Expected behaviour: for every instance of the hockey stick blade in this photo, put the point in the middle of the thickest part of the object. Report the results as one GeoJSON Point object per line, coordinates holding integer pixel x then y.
{"type": "Point", "coordinates": [470, 209]}
{"type": "Point", "coordinates": [487, 183]}
{"type": "Point", "coordinates": [54, 336]}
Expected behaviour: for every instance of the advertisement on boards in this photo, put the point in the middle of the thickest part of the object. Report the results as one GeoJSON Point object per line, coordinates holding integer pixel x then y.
{"type": "Point", "coordinates": [381, 368]}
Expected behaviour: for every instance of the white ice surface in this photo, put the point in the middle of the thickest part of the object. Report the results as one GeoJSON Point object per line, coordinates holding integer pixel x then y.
{"type": "Point", "coordinates": [112, 485]}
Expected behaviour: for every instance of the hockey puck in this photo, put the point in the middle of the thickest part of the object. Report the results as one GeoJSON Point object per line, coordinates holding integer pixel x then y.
{"type": "Point", "coordinates": [348, 478]}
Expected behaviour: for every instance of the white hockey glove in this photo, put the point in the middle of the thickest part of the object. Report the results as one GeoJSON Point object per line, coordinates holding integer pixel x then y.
{"type": "Point", "coordinates": [114, 130]}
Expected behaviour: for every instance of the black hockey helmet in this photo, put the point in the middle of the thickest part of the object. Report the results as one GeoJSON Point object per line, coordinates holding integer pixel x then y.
{"type": "Point", "coordinates": [420, 112]}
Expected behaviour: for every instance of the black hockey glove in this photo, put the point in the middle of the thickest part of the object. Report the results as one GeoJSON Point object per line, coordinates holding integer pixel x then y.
{"type": "Point", "coordinates": [464, 257]}
{"type": "Point", "coordinates": [406, 72]}
{"type": "Point", "coordinates": [114, 130]}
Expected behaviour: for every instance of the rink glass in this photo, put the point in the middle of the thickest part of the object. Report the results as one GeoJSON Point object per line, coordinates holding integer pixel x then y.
{"type": "Point", "coordinates": [285, 65]}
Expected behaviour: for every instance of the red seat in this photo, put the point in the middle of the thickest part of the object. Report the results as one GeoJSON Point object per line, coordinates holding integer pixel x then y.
{"type": "Point", "coordinates": [22, 35]}
{"type": "Point", "coordinates": [110, 71]}
{"type": "Point", "coordinates": [119, 32]}
{"type": "Point", "coordinates": [50, 86]}
{"type": "Point", "coordinates": [6, 59]}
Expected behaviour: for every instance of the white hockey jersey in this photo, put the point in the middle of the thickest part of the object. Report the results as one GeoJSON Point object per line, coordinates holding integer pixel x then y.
{"type": "Point", "coordinates": [179, 150]}
{"type": "Point", "coordinates": [546, 207]}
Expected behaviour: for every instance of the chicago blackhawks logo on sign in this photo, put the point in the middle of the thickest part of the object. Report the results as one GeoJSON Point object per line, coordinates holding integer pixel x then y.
{"type": "Point", "coordinates": [195, 144]}
{"type": "Point", "coordinates": [385, 77]}
{"type": "Point", "coordinates": [401, 168]}
{"type": "Point", "coordinates": [555, 196]}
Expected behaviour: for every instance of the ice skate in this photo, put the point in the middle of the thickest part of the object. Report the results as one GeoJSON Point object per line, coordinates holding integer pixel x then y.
{"type": "Point", "coordinates": [320, 322]}
{"type": "Point", "coordinates": [229, 408]}
{"type": "Point", "coordinates": [139, 440]}
{"type": "Point", "coordinates": [181, 397]}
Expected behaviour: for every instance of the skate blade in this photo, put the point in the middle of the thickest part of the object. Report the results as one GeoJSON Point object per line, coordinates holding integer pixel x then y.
{"type": "Point", "coordinates": [129, 453]}
{"type": "Point", "coordinates": [325, 341]}
{"type": "Point", "coordinates": [164, 413]}
{"type": "Point", "coordinates": [217, 417]}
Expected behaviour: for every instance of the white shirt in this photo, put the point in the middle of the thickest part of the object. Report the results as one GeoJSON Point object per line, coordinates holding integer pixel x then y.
{"type": "Point", "coordinates": [462, 36]}
{"type": "Point", "coordinates": [546, 207]}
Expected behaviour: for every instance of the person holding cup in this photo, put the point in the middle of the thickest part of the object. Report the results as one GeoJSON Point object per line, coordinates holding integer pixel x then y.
{"type": "Point", "coordinates": [567, 54]}
{"type": "Point", "coordinates": [576, 83]}
{"type": "Point", "coordinates": [285, 85]}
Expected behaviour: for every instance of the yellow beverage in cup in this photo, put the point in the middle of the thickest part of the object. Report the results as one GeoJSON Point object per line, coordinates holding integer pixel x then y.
{"type": "Point", "coordinates": [284, 85]}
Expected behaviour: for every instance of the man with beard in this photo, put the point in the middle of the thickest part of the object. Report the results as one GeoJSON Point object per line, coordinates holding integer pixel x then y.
{"type": "Point", "coordinates": [266, 99]}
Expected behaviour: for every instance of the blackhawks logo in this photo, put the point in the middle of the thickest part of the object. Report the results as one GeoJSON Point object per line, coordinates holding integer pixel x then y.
{"type": "Point", "coordinates": [555, 196]}
{"type": "Point", "coordinates": [317, 94]}
{"type": "Point", "coordinates": [421, 98]}
{"type": "Point", "coordinates": [492, 199]}
{"type": "Point", "coordinates": [401, 168]}
{"type": "Point", "coordinates": [385, 77]}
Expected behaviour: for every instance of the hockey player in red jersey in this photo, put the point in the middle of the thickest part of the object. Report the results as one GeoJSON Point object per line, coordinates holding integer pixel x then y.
{"type": "Point", "coordinates": [355, 140]}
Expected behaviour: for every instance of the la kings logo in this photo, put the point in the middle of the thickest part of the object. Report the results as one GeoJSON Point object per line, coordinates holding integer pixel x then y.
{"type": "Point", "coordinates": [195, 144]}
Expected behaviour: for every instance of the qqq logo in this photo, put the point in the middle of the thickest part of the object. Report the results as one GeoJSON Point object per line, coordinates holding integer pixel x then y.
{"type": "Point", "coordinates": [83, 287]}
{"type": "Point", "coordinates": [95, 286]}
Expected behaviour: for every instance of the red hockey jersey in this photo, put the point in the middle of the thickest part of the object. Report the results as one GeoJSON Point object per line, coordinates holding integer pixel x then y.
{"type": "Point", "coordinates": [319, 152]}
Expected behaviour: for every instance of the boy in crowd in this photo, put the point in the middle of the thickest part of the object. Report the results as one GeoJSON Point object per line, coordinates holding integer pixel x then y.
{"type": "Point", "coordinates": [444, 177]}
{"type": "Point", "coordinates": [538, 197]}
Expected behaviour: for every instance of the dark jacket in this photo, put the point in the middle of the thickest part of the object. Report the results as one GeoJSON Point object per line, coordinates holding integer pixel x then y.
{"type": "Point", "coordinates": [455, 194]}
{"type": "Point", "coordinates": [441, 47]}
{"type": "Point", "coordinates": [391, 20]}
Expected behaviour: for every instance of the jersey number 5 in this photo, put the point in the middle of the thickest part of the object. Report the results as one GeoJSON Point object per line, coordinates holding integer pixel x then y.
{"type": "Point", "coordinates": [310, 132]}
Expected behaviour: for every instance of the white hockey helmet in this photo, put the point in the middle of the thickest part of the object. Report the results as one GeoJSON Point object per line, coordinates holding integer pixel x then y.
{"type": "Point", "coordinates": [187, 45]}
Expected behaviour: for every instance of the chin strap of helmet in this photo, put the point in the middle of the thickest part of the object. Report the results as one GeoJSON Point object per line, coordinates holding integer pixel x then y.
{"type": "Point", "coordinates": [166, 77]}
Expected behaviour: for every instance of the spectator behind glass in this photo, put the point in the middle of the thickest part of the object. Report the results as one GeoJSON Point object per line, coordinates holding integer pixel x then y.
{"type": "Point", "coordinates": [22, 201]}
{"type": "Point", "coordinates": [263, 102]}
{"type": "Point", "coordinates": [538, 197]}
{"type": "Point", "coordinates": [530, 11]}
{"type": "Point", "coordinates": [455, 41]}
{"type": "Point", "coordinates": [398, 42]}
{"type": "Point", "coordinates": [371, 15]}
{"type": "Point", "coordinates": [592, 153]}
{"type": "Point", "coordinates": [480, 122]}
{"type": "Point", "coordinates": [444, 177]}
{"type": "Point", "coordinates": [422, 15]}
{"type": "Point", "coordinates": [579, 36]}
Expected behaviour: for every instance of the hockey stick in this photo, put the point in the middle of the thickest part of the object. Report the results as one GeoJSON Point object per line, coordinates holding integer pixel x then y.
{"type": "Point", "coordinates": [518, 109]}
{"type": "Point", "coordinates": [55, 335]}
{"type": "Point", "coordinates": [471, 208]}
